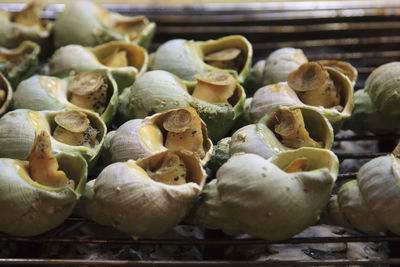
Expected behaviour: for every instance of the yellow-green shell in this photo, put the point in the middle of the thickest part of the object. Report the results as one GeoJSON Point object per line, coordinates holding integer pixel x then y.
{"type": "Point", "coordinates": [19, 128]}
{"type": "Point", "coordinates": [158, 91]}
{"type": "Point", "coordinates": [29, 208]}
{"type": "Point", "coordinates": [125, 197]}
{"type": "Point", "coordinates": [85, 23]}
{"type": "Point", "coordinates": [51, 93]}
{"type": "Point", "coordinates": [281, 204]}
{"type": "Point", "coordinates": [185, 58]}
{"type": "Point", "coordinates": [25, 64]}
{"type": "Point", "coordinates": [12, 34]}
{"type": "Point", "coordinates": [72, 59]}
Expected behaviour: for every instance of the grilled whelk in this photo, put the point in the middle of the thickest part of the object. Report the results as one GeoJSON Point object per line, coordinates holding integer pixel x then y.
{"type": "Point", "coordinates": [93, 90]}
{"type": "Point", "coordinates": [175, 130]}
{"type": "Point", "coordinates": [146, 197]}
{"type": "Point", "coordinates": [370, 203]}
{"type": "Point", "coordinates": [68, 130]}
{"type": "Point", "coordinates": [282, 129]}
{"type": "Point", "coordinates": [270, 199]}
{"type": "Point", "coordinates": [88, 23]}
{"type": "Point", "coordinates": [125, 61]}
{"type": "Point", "coordinates": [325, 87]}
{"type": "Point", "coordinates": [186, 58]}
{"type": "Point", "coordinates": [314, 86]}
{"type": "Point", "coordinates": [39, 194]}
{"type": "Point", "coordinates": [19, 63]}
{"type": "Point", "coordinates": [22, 25]}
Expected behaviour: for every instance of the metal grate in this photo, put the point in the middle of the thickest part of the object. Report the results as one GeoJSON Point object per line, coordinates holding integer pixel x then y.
{"type": "Point", "coordinates": [365, 33]}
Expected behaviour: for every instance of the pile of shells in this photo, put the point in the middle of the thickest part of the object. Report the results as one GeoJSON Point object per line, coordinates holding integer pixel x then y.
{"type": "Point", "coordinates": [125, 138]}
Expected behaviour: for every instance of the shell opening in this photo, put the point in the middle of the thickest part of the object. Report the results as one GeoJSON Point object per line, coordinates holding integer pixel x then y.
{"type": "Point", "coordinates": [73, 128]}
{"type": "Point", "coordinates": [29, 16]}
{"type": "Point", "coordinates": [341, 66]}
{"type": "Point", "coordinates": [215, 87]}
{"type": "Point", "coordinates": [2, 96]}
{"type": "Point", "coordinates": [314, 86]}
{"type": "Point", "coordinates": [116, 59]}
{"type": "Point", "coordinates": [43, 166]}
{"type": "Point", "coordinates": [90, 90]}
{"type": "Point", "coordinates": [297, 165]}
{"type": "Point", "coordinates": [228, 58]}
{"type": "Point", "coordinates": [132, 27]}
{"type": "Point", "coordinates": [17, 56]}
{"type": "Point", "coordinates": [170, 169]}
{"type": "Point", "coordinates": [152, 137]}
{"type": "Point", "coordinates": [184, 131]}
{"type": "Point", "coordinates": [291, 128]}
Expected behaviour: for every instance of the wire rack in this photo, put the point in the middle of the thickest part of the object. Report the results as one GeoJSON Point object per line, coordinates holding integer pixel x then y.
{"type": "Point", "coordinates": [364, 33]}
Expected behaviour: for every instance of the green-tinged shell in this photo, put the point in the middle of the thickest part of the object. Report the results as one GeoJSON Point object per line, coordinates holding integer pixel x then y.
{"type": "Point", "coordinates": [379, 181]}
{"type": "Point", "coordinates": [72, 59]}
{"type": "Point", "coordinates": [29, 208]}
{"type": "Point", "coordinates": [382, 85]}
{"type": "Point", "coordinates": [89, 24]}
{"type": "Point", "coordinates": [186, 58]}
{"type": "Point", "coordinates": [220, 154]}
{"type": "Point", "coordinates": [153, 92]}
{"type": "Point", "coordinates": [274, 69]}
{"type": "Point", "coordinates": [19, 63]}
{"type": "Point", "coordinates": [19, 128]}
{"type": "Point", "coordinates": [141, 138]}
{"type": "Point", "coordinates": [51, 93]}
{"type": "Point", "coordinates": [268, 97]}
{"type": "Point", "coordinates": [6, 94]}
{"type": "Point", "coordinates": [257, 139]}
{"type": "Point", "coordinates": [254, 80]}
{"type": "Point", "coordinates": [220, 117]}
{"type": "Point", "coordinates": [333, 215]}
{"type": "Point", "coordinates": [365, 117]}
{"type": "Point", "coordinates": [125, 197]}
{"type": "Point", "coordinates": [316, 124]}
{"type": "Point", "coordinates": [256, 196]}
{"type": "Point", "coordinates": [280, 63]}
{"type": "Point", "coordinates": [352, 206]}
{"type": "Point", "coordinates": [370, 203]}
{"type": "Point", "coordinates": [13, 32]}
{"type": "Point", "coordinates": [158, 91]}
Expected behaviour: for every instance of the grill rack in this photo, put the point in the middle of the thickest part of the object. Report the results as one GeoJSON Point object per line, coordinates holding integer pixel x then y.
{"type": "Point", "coordinates": [365, 33]}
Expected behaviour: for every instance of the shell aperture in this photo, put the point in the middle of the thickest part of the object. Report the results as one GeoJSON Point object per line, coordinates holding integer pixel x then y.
{"type": "Point", "coordinates": [89, 90]}
{"type": "Point", "coordinates": [291, 128]}
{"type": "Point", "coordinates": [73, 128]}
{"type": "Point", "coordinates": [43, 166]}
{"type": "Point", "coordinates": [314, 86]}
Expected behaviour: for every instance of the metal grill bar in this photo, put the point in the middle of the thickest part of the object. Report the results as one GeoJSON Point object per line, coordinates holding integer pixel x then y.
{"type": "Point", "coordinates": [375, 262]}
{"type": "Point", "coordinates": [368, 137]}
{"type": "Point", "coordinates": [219, 241]}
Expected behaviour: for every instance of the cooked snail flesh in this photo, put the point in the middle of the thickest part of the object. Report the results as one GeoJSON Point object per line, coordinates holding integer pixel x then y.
{"type": "Point", "coordinates": [89, 90]}
{"type": "Point", "coordinates": [73, 128]}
